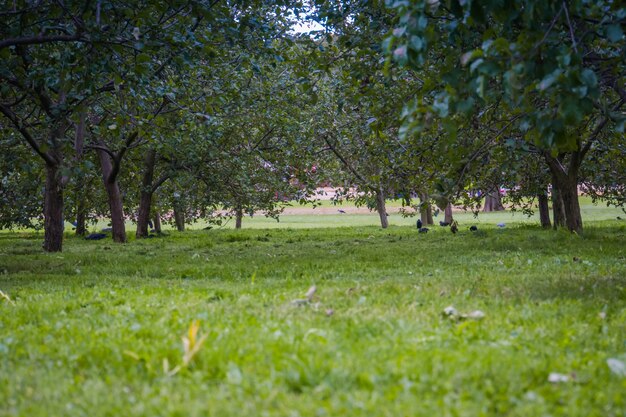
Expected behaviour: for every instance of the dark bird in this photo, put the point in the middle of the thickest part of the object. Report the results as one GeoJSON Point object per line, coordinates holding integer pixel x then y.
{"type": "Point", "coordinates": [341, 211]}
{"type": "Point", "coordinates": [501, 225]}
{"type": "Point", "coordinates": [419, 224]}
{"type": "Point", "coordinates": [443, 224]}
{"type": "Point", "coordinates": [107, 229]}
{"type": "Point", "coordinates": [473, 228]}
{"type": "Point", "coordinates": [454, 227]}
{"type": "Point", "coordinates": [619, 218]}
{"type": "Point", "coordinates": [96, 236]}
{"type": "Point", "coordinates": [423, 230]}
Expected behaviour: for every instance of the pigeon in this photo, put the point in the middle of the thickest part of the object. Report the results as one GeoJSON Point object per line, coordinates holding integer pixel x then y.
{"type": "Point", "coordinates": [443, 224]}
{"type": "Point", "coordinates": [107, 229]}
{"type": "Point", "coordinates": [473, 228]}
{"type": "Point", "coordinates": [341, 211]}
{"type": "Point", "coordinates": [423, 230]}
{"type": "Point", "coordinates": [419, 224]}
{"type": "Point", "coordinates": [454, 227]}
{"type": "Point", "coordinates": [501, 224]}
{"type": "Point", "coordinates": [96, 236]}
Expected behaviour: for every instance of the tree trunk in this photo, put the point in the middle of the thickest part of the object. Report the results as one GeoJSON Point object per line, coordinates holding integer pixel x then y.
{"type": "Point", "coordinates": [493, 201]}
{"type": "Point", "coordinates": [145, 199]}
{"type": "Point", "coordinates": [238, 217]}
{"type": "Point", "coordinates": [157, 222]}
{"type": "Point", "coordinates": [114, 197]}
{"type": "Point", "coordinates": [544, 210]}
{"type": "Point", "coordinates": [81, 212]}
{"type": "Point", "coordinates": [53, 210]}
{"type": "Point", "coordinates": [426, 210]}
{"type": "Point", "coordinates": [381, 208]}
{"type": "Point", "coordinates": [179, 216]}
{"type": "Point", "coordinates": [448, 214]}
{"type": "Point", "coordinates": [81, 203]}
{"type": "Point", "coordinates": [558, 210]}
{"type": "Point", "coordinates": [573, 218]}
{"type": "Point", "coordinates": [565, 187]}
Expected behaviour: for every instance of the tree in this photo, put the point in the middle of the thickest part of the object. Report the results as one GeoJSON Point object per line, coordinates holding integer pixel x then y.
{"type": "Point", "coordinates": [556, 67]}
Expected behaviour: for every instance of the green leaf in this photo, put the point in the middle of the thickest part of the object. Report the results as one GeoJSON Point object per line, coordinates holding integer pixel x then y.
{"type": "Point", "coordinates": [589, 78]}
{"type": "Point", "coordinates": [614, 32]}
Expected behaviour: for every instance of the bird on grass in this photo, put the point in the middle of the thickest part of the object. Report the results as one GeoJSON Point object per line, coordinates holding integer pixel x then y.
{"type": "Point", "coordinates": [419, 224]}
{"type": "Point", "coordinates": [473, 228]}
{"type": "Point", "coordinates": [423, 230]}
{"type": "Point", "coordinates": [454, 227]}
{"type": "Point", "coordinates": [95, 236]}
{"type": "Point", "coordinates": [341, 211]}
{"type": "Point", "coordinates": [443, 224]}
{"type": "Point", "coordinates": [501, 225]}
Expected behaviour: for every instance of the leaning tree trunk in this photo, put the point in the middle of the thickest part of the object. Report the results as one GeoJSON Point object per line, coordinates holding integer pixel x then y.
{"type": "Point", "coordinates": [493, 201]}
{"type": "Point", "coordinates": [544, 210]}
{"type": "Point", "coordinates": [115, 198]}
{"type": "Point", "coordinates": [381, 208]}
{"type": "Point", "coordinates": [448, 214]}
{"type": "Point", "coordinates": [53, 210]}
{"type": "Point", "coordinates": [238, 217]}
{"type": "Point", "coordinates": [145, 199]}
{"type": "Point", "coordinates": [426, 210]}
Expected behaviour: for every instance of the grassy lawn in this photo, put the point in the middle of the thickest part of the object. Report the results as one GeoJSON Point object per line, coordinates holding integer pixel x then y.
{"type": "Point", "coordinates": [97, 330]}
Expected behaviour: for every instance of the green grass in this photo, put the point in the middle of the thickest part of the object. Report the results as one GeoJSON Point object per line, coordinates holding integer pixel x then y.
{"type": "Point", "coordinates": [87, 331]}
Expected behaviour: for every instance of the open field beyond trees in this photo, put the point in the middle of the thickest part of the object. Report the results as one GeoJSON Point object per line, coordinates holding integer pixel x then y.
{"type": "Point", "coordinates": [105, 329]}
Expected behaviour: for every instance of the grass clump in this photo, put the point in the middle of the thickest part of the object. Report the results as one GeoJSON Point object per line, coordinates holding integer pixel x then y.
{"type": "Point", "coordinates": [202, 323]}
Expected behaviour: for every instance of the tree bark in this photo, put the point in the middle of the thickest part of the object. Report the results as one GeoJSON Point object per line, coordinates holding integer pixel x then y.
{"type": "Point", "coordinates": [381, 208]}
{"type": "Point", "coordinates": [448, 214]}
{"type": "Point", "coordinates": [157, 222]}
{"type": "Point", "coordinates": [544, 210]}
{"type": "Point", "coordinates": [179, 216]}
{"type": "Point", "coordinates": [238, 217]}
{"type": "Point", "coordinates": [493, 201]}
{"type": "Point", "coordinates": [426, 210]}
{"type": "Point", "coordinates": [81, 212]}
{"type": "Point", "coordinates": [565, 185]}
{"type": "Point", "coordinates": [573, 217]}
{"type": "Point", "coordinates": [81, 201]}
{"type": "Point", "coordinates": [53, 210]}
{"type": "Point", "coordinates": [145, 199]}
{"type": "Point", "coordinates": [558, 210]}
{"type": "Point", "coordinates": [115, 198]}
